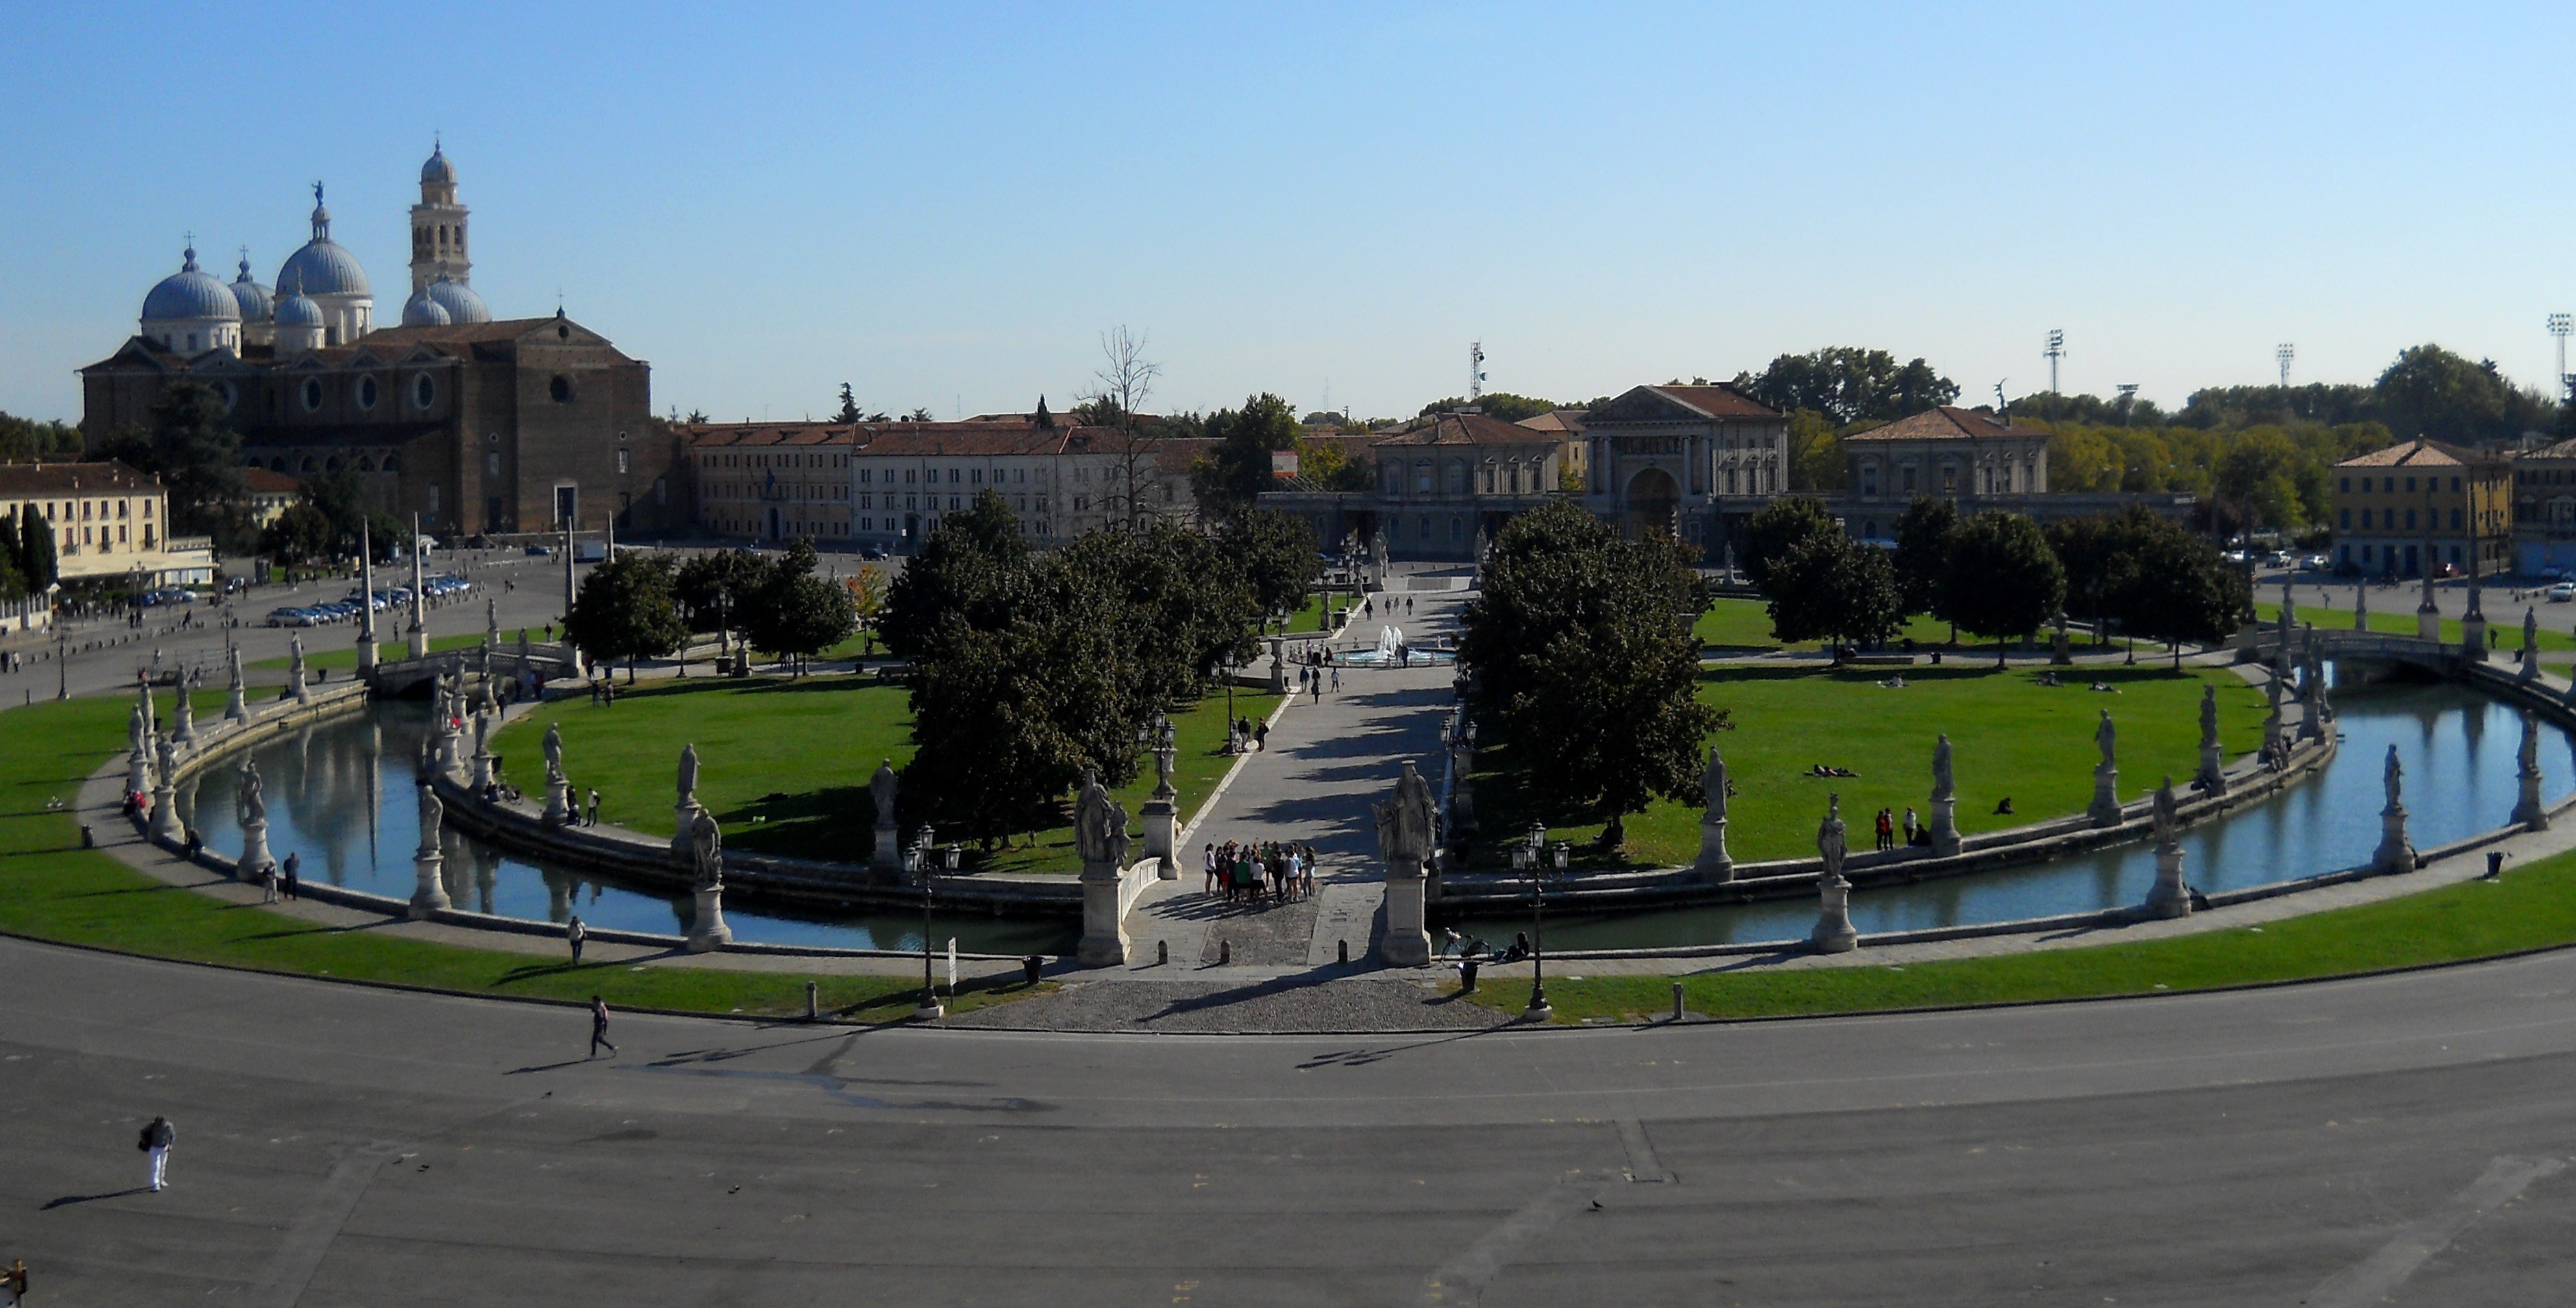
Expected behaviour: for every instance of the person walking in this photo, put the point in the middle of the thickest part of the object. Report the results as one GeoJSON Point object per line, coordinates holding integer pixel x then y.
{"type": "Point", "coordinates": [1315, 683]}
{"type": "Point", "coordinates": [594, 806]}
{"type": "Point", "coordinates": [575, 932]}
{"type": "Point", "coordinates": [1207, 862]}
{"type": "Point", "coordinates": [1913, 827]}
{"type": "Point", "coordinates": [156, 1141]}
{"type": "Point", "coordinates": [599, 1026]}
{"type": "Point", "coordinates": [1886, 829]}
{"type": "Point", "coordinates": [1261, 736]}
{"type": "Point", "coordinates": [294, 873]}
{"type": "Point", "coordinates": [268, 884]}
{"type": "Point", "coordinates": [1337, 678]}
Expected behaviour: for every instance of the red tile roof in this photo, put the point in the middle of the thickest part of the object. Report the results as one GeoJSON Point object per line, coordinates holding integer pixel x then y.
{"type": "Point", "coordinates": [1568, 421]}
{"type": "Point", "coordinates": [18, 480]}
{"type": "Point", "coordinates": [1467, 429]}
{"type": "Point", "coordinates": [725, 435]}
{"type": "Point", "coordinates": [2420, 453]}
{"type": "Point", "coordinates": [263, 481]}
{"type": "Point", "coordinates": [1947, 423]}
{"type": "Point", "coordinates": [1718, 401]}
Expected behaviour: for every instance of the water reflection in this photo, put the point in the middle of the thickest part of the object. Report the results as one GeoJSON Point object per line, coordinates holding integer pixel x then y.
{"type": "Point", "coordinates": [340, 793]}
{"type": "Point", "coordinates": [2459, 750]}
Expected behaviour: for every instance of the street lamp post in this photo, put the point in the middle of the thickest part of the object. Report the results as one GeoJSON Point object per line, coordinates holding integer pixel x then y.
{"type": "Point", "coordinates": [1532, 856]}
{"type": "Point", "coordinates": [62, 661]}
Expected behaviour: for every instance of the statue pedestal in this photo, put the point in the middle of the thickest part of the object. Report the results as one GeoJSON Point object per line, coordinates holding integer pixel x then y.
{"type": "Point", "coordinates": [887, 857]}
{"type": "Point", "coordinates": [2106, 797]}
{"type": "Point", "coordinates": [2396, 853]}
{"type": "Point", "coordinates": [138, 773]}
{"type": "Point", "coordinates": [2428, 623]}
{"type": "Point", "coordinates": [186, 731]}
{"type": "Point", "coordinates": [165, 814]}
{"type": "Point", "coordinates": [1834, 933]}
{"type": "Point", "coordinates": [1162, 828]}
{"type": "Point", "coordinates": [235, 709]}
{"type": "Point", "coordinates": [2212, 776]}
{"type": "Point", "coordinates": [482, 770]}
{"type": "Point", "coordinates": [366, 654]}
{"type": "Point", "coordinates": [429, 890]}
{"type": "Point", "coordinates": [254, 855]}
{"type": "Point", "coordinates": [2473, 638]}
{"type": "Point", "coordinates": [446, 751]}
{"type": "Point", "coordinates": [707, 929]}
{"type": "Point", "coordinates": [1715, 865]}
{"type": "Point", "coordinates": [558, 801]}
{"type": "Point", "coordinates": [1945, 827]}
{"type": "Point", "coordinates": [1104, 931]}
{"type": "Point", "coordinates": [2528, 812]}
{"type": "Point", "coordinates": [419, 642]}
{"type": "Point", "coordinates": [2167, 897]}
{"type": "Point", "coordinates": [2530, 664]}
{"type": "Point", "coordinates": [1408, 943]}
{"type": "Point", "coordinates": [2061, 651]}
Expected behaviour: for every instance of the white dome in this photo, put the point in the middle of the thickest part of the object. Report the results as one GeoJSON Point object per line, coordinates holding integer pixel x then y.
{"type": "Point", "coordinates": [460, 301]}
{"type": "Point", "coordinates": [189, 295]}
{"type": "Point", "coordinates": [323, 266]}
{"type": "Point", "coordinates": [422, 311]}
{"type": "Point", "coordinates": [296, 311]}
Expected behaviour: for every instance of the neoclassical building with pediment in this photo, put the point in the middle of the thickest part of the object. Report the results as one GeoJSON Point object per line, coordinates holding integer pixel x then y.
{"type": "Point", "coordinates": [1693, 460]}
{"type": "Point", "coordinates": [477, 425]}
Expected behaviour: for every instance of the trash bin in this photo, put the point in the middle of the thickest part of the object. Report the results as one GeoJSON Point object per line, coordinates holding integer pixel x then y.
{"type": "Point", "coordinates": [1032, 965]}
{"type": "Point", "coordinates": [1467, 975]}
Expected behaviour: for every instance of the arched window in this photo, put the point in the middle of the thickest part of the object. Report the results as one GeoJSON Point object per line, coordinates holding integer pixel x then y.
{"type": "Point", "coordinates": [393, 463]}
{"type": "Point", "coordinates": [331, 463]}
{"type": "Point", "coordinates": [366, 392]}
{"type": "Point", "coordinates": [560, 388]}
{"type": "Point", "coordinates": [491, 463]}
{"type": "Point", "coordinates": [423, 390]}
{"type": "Point", "coordinates": [312, 395]}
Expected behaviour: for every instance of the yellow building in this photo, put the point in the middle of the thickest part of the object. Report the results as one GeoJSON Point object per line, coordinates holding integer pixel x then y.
{"type": "Point", "coordinates": [2393, 505]}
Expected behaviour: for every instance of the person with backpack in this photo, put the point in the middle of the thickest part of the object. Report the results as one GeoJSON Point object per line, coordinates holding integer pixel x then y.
{"type": "Point", "coordinates": [156, 1141]}
{"type": "Point", "coordinates": [599, 1026]}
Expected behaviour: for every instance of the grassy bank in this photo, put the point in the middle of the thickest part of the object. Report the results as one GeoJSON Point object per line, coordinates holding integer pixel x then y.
{"type": "Point", "coordinates": [784, 765]}
{"type": "Point", "coordinates": [2010, 737]}
{"type": "Point", "coordinates": [52, 888]}
{"type": "Point", "coordinates": [2533, 907]}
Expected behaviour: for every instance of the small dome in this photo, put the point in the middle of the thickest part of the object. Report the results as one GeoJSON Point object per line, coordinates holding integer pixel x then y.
{"type": "Point", "coordinates": [422, 311]}
{"type": "Point", "coordinates": [189, 294]}
{"type": "Point", "coordinates": [256, 301]}
{"type": "Point", "coordinates": [459, 299]}
{"type": "Point", "coordinates": [297, 311]}
{"type": "Point", "coordinates": [438, 169]}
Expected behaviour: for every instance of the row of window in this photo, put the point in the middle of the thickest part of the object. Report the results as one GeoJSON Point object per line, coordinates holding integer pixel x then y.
{"type": "Point", "coordinates": [791, 459]}
{"type": "Point", "coordinates": [84, 510]}
{"type": "Point", "coordinates": [864, 526]}
{"type": "Point", "coordinates": [2388, 520]}
{"type": "Point", "coordinates": [2389, 484]}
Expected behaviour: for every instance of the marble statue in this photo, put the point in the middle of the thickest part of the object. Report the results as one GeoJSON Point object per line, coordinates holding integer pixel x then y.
{"type": "Point", "coordinates": [1831, 842]}
{"type": "Point", "coordinates": [1712, 785]}
{"type": "Point", "coordinates": [2167, 816]}
{"type": "Point", "coordinates": [2393, 776]}
{"type": "Point", "coordinates": [1099, 825]}
{"type": "Point", "coordinates": [706, 852]}
{"type": "Point", "coordinates": [252, 802]}
{"type": "Point", "coordinates": [553, 745]}
{"type": "Point", "coordinates": [1404, 823]}
{"type": "Point", "coordinates": [1943, 784]}
{"type": "Point", "coordinates": [432, 814]}
{"type": "Point", "coordinates": [881, 788]}
{"type": "Point", "coordinates": [166, 754]}
{"type": "Point", "coordinates": [2106, 736]}
{"type": "Point", "coordinates": [688, 771]}
{"type": "Point", "coordinates": [2208, 716]}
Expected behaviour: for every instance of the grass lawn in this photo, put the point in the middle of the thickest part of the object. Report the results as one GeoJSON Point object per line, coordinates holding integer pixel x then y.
{"type": "Point", "coordinates": [2010, 736]}
{"type": "Point", "coordinates": [53, 889]}
{"type": "Point", "coordinates": [2503, 620]}
{"type": "Point", "coordinates": [336, 648]}
{"type": "Point", "coordinates": [1309, 616]}
{"type": "Point", "coordinates": [2533, 907]}
{"type": "Point", "coordinates": [1746, 624]}
{"type": "Point", "coordinates": [784, 765]}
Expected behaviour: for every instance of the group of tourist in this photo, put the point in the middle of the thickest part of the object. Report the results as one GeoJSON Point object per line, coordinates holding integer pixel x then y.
{"type": "Point", "coordinates": [1271, 870]}
{"type": "Point", "coordinates": [1914, 831]}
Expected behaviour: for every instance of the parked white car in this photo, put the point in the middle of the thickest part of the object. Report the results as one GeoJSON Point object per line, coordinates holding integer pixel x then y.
{"type": "Point", "coordinates": [2562, 592]}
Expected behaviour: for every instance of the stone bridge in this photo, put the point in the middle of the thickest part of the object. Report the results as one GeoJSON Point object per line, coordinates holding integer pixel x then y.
{"type": "Point", "coordinates": [399, 677]}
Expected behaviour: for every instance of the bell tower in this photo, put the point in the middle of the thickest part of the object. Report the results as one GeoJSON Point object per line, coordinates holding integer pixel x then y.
{"type": "Point", "coordinates": [438, 226]}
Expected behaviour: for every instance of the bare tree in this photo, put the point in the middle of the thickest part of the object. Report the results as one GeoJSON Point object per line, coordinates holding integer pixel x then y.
{"type": "Point", "coordinates": [1134, 467]}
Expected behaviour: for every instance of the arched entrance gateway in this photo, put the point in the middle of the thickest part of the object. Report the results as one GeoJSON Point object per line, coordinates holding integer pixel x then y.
{"type": "Point", "coordinates": [1653, 503]}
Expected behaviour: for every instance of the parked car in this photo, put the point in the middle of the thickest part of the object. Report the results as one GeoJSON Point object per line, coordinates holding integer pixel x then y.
{"type": "Point", "coordinates": [872, 550]}
{"type": "Point", "coordinates": [2315, 563]}
{"type": "Point", "coordinates": [2562, 592]}
{"type": "Point", "coordinates": [541, 551]}
{"type": "Point", "coordinates": [290, 617]}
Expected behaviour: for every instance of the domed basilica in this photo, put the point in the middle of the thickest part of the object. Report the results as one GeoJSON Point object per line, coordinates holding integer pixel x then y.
{"type": "Point", "coordinates": [480, 426]}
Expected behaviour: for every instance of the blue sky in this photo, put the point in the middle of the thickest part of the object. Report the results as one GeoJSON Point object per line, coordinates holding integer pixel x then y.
{"type": "Point", "coordinates": [946, 205]}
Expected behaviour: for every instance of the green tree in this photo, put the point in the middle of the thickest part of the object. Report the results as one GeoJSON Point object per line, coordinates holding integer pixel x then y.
{"type": "Point", "coordinates": [36, 557]}
{"type": "Point", "coordinates": [2434, 393]}
{"type": "Point", "coordinates": [2003, 581]}
{"type": "Point", "coordinates": [1501, 405]}
{"type": "Point", "coordinates": [1834, 588]}
{"type": "Point", "coordinates": [13, 583]}
{"type": "Point", "coordinates": [2167, 584]}
{"type": "Point", "coordinates": [1581, 652]}
{"type": "Point", "coordinates": [342, 499]}
{"type": "Point", "coordinates": [1231, 476]}
{"type": "Point", "coordinates": [1771, 533]}
{"type": "Point", "coordinates": [1816, 460]}
{"type": "Point", "coordinates": [849, 410]}
{"type": "Point", "coordinates": [1277, 554]}
{"type": "Point", "coordinates": [297, 536]}
{"type": "Point", "coordinates": [715, 590]}
{"type": "Point", "coordinates": [1924, 533]}
{"type": "Point", "coordinates": [1847, 385]}
{"type": "Point", "coordinates": [867, 589]}
{"type": "Point", "coordinates": [796, 613]}
{"type": "Point", "coordinates": [627, 610]}
{"type": "Point", "coordinates": [25, 440]}
{"type": "Point", "coordinates": [969, 571]}
{"type": "Point", "coordinates": [198, 455]}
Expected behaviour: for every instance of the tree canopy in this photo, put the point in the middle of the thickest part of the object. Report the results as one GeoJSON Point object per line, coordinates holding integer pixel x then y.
{"type": "Point", "coordinates": [1500, 405]}
{"type": "Point", "coordinates": [627, 610]}
{"type": "Point", "coordinates": [1847, 384]}
{"type": "Point", "coordinates": [2003, 580]}
{"type": "Point", "coordinates": [1581, 651]}
{"type": "Point", "coordinates": [792, 611]}
{"type": "Point", "coordinates": [25, 440]}
{"type": "Point", "coordinates": [1831, 587]}
{"type": "Point", "coordinates": [1277, 555]}
{"type": "Point", "coordinates": [1923, 537]}
{"type": "Point", "coordinates": [1229, 477]}
{"type": "Point", "coordinates": [1778, 527]}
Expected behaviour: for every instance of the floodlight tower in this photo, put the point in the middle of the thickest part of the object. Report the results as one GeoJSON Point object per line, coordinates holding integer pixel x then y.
{"type": "Point", "coordinates": [2285, 352]}
{"type": "Point", "coordinates": [2560, 325]}
{"type": "Point", "coordinates": [1475, 371]}
{"type": "Point", "coordinates": [2056, 350]}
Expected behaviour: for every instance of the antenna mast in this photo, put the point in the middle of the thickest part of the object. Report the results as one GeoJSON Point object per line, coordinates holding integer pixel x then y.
{"type": "Point", "coordinates": [2285, 352]}
{"type": "Point", "coordinates": [2560, 325]}
{"type": "Point", "coordinates": [1475, 371]}
{"type": "Point", "coordinates": [2056, 350]}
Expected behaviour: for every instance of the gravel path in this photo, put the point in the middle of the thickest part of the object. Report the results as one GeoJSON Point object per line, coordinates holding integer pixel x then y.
{"type": "Point", "coordinates": [1285, 1006]}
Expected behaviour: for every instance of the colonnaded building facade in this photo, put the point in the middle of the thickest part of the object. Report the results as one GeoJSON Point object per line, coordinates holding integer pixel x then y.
{"type": "Point", "coordinates": [479, 425]}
